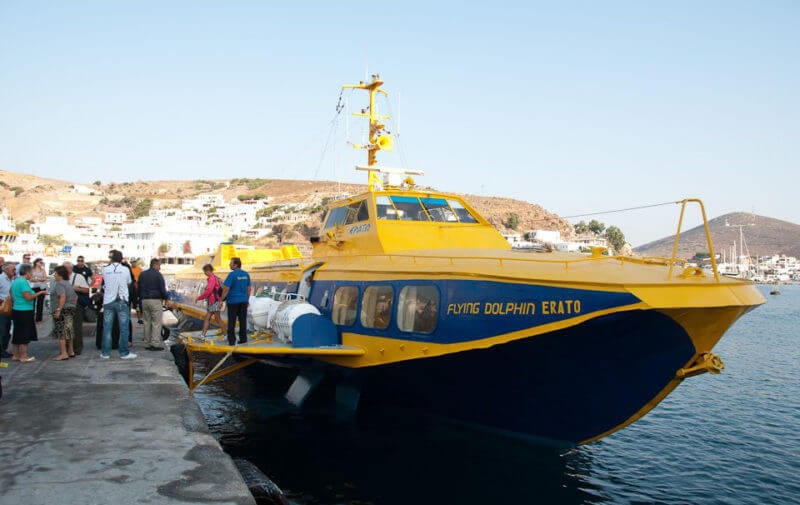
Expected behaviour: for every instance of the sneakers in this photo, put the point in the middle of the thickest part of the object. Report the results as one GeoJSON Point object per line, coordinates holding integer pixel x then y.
{"type": "Point", "coordinates": [104, 356]}
{"type": "Point", "coordinates": [130, 355]}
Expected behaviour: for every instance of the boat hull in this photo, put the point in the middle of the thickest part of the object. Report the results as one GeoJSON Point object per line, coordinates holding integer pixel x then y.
{"type": "Point", "coordinates": [567, 387]}
{"type": "Point", "coordinates": [504, 355]}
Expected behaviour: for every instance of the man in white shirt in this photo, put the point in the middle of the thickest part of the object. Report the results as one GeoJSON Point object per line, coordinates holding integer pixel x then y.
{"type": "Point", "coordinates": [81, 288]}
{"type": "Point", "coordinates": [116, 281]}
{"type": "Point", "coordinates": [26, 260]}
{"type": "Point", "coordinates": [6, 277]}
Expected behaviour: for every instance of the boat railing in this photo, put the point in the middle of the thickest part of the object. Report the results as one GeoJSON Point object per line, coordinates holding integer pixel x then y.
{"type": "Point", "coordinates": [502, 262]}
{"type": "Point", "coordinates": [281, 296]}
{"type": "Point", "coordinates": [708, 237]}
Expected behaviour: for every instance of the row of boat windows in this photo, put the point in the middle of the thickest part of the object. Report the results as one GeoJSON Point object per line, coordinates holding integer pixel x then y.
{"type": "Point", "coordinates": [402, 208]}
{"type": "Point", "coordinates": [417, 307]}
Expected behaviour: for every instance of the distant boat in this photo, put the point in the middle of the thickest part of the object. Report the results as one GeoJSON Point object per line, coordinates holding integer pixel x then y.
{"type": "Point", "coordinates": [776, 290]}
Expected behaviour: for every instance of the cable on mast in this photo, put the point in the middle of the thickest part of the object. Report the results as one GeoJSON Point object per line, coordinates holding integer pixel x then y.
{"type": "Point", "coordinates": [623, 210]}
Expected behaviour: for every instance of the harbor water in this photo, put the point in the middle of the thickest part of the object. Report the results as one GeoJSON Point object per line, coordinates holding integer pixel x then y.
{"type": "Point", "coordinates": [729, 438]}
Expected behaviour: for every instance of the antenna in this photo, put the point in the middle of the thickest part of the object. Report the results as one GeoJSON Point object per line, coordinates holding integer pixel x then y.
{"type": "Point", "coordinates": [378, 138]}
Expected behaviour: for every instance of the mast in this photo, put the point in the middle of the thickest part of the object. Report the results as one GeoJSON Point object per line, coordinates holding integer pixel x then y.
{"type": "Point", "coordinates": [379, 138]}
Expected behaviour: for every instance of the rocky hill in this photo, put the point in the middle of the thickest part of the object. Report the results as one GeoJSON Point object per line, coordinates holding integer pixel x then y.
{"type": "Point", "coordinates": [31, 198]}
{"type": "Point", "coordinates": [762, 236]}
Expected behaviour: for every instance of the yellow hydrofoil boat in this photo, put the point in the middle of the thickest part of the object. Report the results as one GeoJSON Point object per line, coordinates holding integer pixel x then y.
{"type": "Point", "coordinates": [412, 298]}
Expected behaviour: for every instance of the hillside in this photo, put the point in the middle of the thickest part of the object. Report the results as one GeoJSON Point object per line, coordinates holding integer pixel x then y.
{"type": "Point", "coordinates": [31, 198]}
{"type": "Point", "coordinates": [762, 236]}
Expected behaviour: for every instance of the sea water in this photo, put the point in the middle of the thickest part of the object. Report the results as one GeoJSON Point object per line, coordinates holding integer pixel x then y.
{"type": "Point", "coordinates": [728, 438]}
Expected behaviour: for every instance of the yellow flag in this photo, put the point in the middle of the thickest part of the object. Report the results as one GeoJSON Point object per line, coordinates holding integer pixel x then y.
{"type": "Point", "coordinates": [375, 182]}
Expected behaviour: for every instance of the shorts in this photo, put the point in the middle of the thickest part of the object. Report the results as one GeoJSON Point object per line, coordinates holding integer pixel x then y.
{"type": "Point", "coordinates": [212, 307]}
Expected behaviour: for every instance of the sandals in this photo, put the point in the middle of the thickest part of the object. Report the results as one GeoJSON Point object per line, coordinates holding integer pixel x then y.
{"type": "Point", "coordinates": [58, 358]}
{"type": "Point", "coordinates": [28, 359]}
{"type": "Point", "coordinates": [72, 355]}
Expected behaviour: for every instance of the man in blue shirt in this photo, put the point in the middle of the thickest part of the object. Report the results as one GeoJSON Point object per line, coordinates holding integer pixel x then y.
{"type": "Point", "coordinates": [236, 293]}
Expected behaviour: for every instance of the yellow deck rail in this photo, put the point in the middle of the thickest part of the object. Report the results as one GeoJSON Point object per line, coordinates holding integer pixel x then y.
{"type": "Point", "coordinates": [708, 236]}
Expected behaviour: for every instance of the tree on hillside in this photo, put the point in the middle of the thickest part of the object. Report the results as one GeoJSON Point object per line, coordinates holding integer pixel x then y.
{"type": "Point", "coordinates": [581, 228]}
{"type": "Point", "coordinates": [253, 196]}
{"type": "Point", "coordinates": [615, 237]}
{"type": "Point", "coordinates": [596, 227]}
{"type": "Point", "coordinates": [25, 227]}
{"type": "Point", "coordinates": [142, 208]}
{"type": "Point", "coordinates": [278, 230]}
{"type": "Point", "coordinates": [512, 221]}
{"type": "Point", "coordinates": [52, 239]}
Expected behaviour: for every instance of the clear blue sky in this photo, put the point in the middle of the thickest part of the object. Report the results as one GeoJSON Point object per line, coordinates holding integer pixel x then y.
{"type": "Point", "coordinates": [576, 106]}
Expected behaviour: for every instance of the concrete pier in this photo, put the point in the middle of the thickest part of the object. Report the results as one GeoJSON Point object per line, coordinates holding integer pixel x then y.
{"type": "Point", "coordinates": [101, 431]}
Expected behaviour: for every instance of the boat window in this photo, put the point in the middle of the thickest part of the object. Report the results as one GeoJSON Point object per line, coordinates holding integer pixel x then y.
{"type": "Point", "coordinates": [376, 307]}
{"type": "Point", "coordinates": [417, 307]}
{"type": "Point", "coordinates": [409, 208]}
{"type": "Point", "coordinates": [336, 216]}
{"type": "Point", "coordinates": [357, 211]}
{"type": "Point", "coordinates": [463, 214]}
{"type": "Point", "coordinates": [385, 208]}
{"type": "Point", "coordinates": [363, 212]}
{"type": "Point", "coordinates": [344, 305]}
{"type": "Point", "coordinates": [439, 210]}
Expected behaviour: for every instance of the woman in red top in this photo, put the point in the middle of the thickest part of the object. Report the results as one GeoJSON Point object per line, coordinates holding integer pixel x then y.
{"type": "Point", "coordinates": [211, 296]}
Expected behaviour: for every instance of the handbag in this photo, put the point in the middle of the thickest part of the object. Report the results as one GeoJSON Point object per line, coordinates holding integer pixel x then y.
{"type": "Point", "coordinates": [7, 306]}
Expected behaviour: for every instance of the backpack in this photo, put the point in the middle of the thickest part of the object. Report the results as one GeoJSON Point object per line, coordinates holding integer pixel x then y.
{"type": "Point", "coordinates": [218, 291]}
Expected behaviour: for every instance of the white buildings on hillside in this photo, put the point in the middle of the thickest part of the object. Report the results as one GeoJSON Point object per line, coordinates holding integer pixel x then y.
{"type": "Point", "coordinates": [115, 217]}
{"type": "Point", "coordinates": [176, 235]}
{"type": "Point", "coordinates": [204, 201]}
{"type": "Point", "coordinates": [546, 240]}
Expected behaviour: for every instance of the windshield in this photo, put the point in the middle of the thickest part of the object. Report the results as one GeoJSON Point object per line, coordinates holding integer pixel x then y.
{"type": "Point", "coordinates": [353, 213]}
{"type": "Point", "coordinates": [413, 208]}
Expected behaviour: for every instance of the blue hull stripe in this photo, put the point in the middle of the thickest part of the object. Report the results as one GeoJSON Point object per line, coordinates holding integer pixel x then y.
{"type": "Point", "coordinates": [568, 386]}
{"type": "Point", "coordinates": [468, 310]}
{"type": "Point", "coordinates": [473, 310]}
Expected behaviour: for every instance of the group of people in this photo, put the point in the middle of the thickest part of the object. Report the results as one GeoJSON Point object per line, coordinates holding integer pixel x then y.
{"type": "Point", "coordinates": [123, 289]}
{"type": "Point", "coordinates": [27, 284]}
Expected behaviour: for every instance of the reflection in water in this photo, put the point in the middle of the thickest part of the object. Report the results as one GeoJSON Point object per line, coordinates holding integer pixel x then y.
{"type": "Point", "coordinates": [386, 457]}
